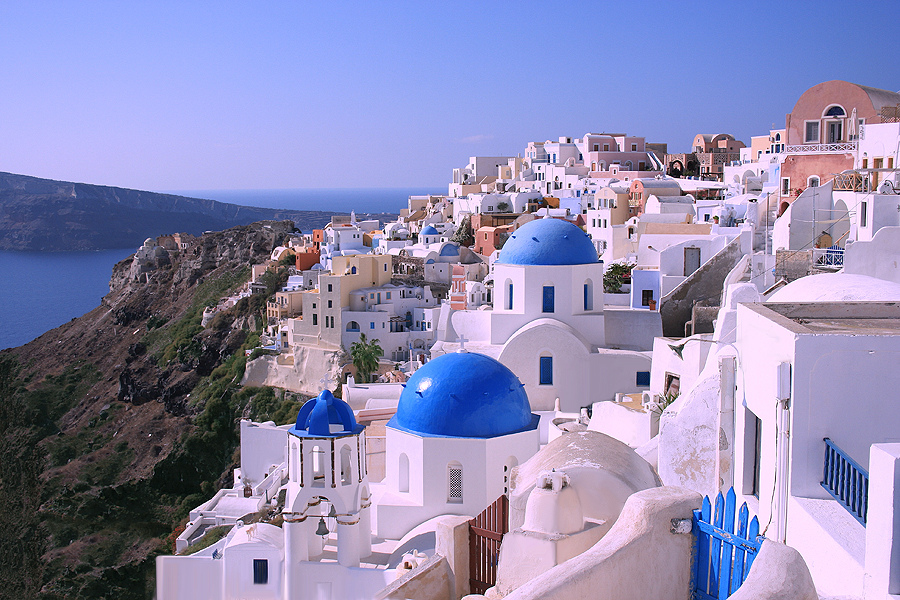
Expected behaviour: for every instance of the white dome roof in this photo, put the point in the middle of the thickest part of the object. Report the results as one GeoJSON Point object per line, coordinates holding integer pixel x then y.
{"type": "Point", "coordinates": [838, 287]}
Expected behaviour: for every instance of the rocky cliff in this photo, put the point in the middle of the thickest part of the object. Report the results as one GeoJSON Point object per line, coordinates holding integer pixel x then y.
{"type": "Point", "coordinates": [47, 215]}
{"type": "Point", "coordinates": [119, 422]}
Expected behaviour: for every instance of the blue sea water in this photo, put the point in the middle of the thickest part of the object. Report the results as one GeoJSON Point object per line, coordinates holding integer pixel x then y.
{"type": "Point", "coordinates": [42, 290]}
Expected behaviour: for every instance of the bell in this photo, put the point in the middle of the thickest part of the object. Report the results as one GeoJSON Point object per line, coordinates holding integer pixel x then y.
{"type": "Point", "coordinates": [322, 529]}
{"type": "Point", "coordinates": [332, 512]}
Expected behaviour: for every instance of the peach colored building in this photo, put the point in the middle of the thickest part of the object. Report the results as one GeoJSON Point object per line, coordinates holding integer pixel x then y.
{"type": "Point", "coordinates": [823, 132]}
{"type": "Point", "coordinates": [306, 258]}
{"type": "Point", "coordinates": [713, 152]}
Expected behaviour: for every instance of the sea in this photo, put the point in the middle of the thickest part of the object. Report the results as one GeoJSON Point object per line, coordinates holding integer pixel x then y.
{"type": "Point", "coordinates": [42, 290]}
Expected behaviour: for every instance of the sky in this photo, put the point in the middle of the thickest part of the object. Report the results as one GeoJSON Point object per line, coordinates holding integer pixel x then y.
{"type": "Point", "coordinates": [298, 94]}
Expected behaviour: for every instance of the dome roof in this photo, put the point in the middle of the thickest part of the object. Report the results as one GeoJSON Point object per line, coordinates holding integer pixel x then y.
{"type": "Point", "coordinates": [548, 242]}
{"type": "Point", "coordinates": [838, 287]}
{"type": "Point", "coordinates": [325, 416]}
{"type": "Point", "coordinates": [429, 230]}
{"type": "Point", "coordinates": [465, 395]}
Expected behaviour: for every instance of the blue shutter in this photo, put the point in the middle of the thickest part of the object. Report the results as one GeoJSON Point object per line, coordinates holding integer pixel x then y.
{"type": "Point", "coordinates": [546, 370]}
{"type": "Point", "coordinates": [548, 298]}
{"type": "Point", "coordinates": [642, 379]}
{"type": "Point", "coordinates": [509, 303]}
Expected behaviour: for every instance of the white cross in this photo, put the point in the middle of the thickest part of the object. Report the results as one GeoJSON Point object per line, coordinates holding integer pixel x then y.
{"type": "Point", "coordinates": [462, 343]}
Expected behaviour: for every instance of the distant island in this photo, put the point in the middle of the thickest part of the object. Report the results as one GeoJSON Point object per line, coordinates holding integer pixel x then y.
{"type": "Point", "coordinates": [53, 216]}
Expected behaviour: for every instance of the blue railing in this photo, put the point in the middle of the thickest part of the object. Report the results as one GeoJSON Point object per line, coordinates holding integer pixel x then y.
{"type": "Point", "coordinates": [723, 556]}
{"type": "Point", "coordinates": [846, 481]}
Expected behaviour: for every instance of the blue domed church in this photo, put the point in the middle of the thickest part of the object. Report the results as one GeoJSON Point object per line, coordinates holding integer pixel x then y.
{"type": "Point", "coordinates": [462, 423]}
{"type": "Point", "coordinates": [548, 323]}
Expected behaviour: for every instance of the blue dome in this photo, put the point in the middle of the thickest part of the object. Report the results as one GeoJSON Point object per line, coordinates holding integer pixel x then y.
{"type": "Point", "coordinates": [325, 416]}
{"type": "Point", "coordinates": [450, 249]}
{"type": "Point", "coordinates": [463, 395]}
{"type": "Point", "coordinates": [429, 230]}
{"type": "Point", "coordinates": [548, 242]}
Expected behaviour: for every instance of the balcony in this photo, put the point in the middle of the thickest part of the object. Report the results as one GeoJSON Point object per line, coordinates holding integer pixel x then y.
{"type": "Point", "coordinates": [851, 182]}
{"type": "Point", "coordinates": [833, 148]}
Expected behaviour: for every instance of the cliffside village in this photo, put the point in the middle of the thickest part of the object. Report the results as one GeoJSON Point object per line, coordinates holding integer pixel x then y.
{"type": "Point", "coordinates": [581, 342]}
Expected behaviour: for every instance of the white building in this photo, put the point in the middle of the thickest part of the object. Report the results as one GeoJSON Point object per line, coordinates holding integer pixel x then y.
{"type": "Point", "coordinates": [463, 422]}
{"type": "Point", "coordinates": [548, 322]}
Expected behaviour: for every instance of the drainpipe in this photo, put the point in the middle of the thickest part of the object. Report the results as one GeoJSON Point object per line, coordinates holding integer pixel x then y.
{"type": "Point", "coordinates": [782, 448]}
{"type": "Point", "coordinates": [725, 446]}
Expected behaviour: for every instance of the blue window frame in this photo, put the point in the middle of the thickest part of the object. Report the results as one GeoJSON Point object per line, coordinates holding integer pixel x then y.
{"type": "Point", "coordinates": [388, 297]}
{"type": "Point", "coordinates": [509, 298]}
{"type": "Point", "coordinates": [546, 370]}
{"type": "Point", "coordinates": [260, 571]}
{"type": "Point", "coordinates": [642, 378]}
{"type": "Point", "coordinates": [372, 325]}
{"type": "Point", "coordinates": [549, 294]}
{"type": "Point", "coordinates": [588, 301]}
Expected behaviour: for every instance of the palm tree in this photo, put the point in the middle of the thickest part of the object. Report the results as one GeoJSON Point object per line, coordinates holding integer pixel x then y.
{"type": "Point", "coordinates": [365, 355]}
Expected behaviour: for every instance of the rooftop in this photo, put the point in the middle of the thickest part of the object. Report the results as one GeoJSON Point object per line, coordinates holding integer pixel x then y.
{"type": "Point", "coordinates": [836, 318]}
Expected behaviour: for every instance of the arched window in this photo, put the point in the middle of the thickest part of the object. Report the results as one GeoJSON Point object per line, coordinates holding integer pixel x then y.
{"type": "Point", "coordinates": [454, 482]}
{"type": "Point", "coordinates": [346, 466]}
{"type": "Point", "coordinates": [403, 475]}
{"type": "Point", "coordinates": [628, 165]}
{"type": "Point", "coordinates": [353, 270]}
{"type": "Point", "coordinates": [294, 459]}
{"type": "Point", "coordinates": [509, 294]}
{"type": "Point", "coordinates": [834, 111]}
{"type": "Point", "coordinates": [318, 466]}
{"type": "Point", "coordinates": [588, 295]}
{"type": "Point", "coordinates": [812, 181]}
{"type": "Point", "coordinates": [777, 137]}
{"type": "Point", "coordinates": [352, 326]}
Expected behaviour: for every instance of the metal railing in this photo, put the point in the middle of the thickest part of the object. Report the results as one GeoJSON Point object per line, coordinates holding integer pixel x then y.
{"type": "Point", "coordinates": [846, 481]}
{"type": "Point", "coordinates": [833, 148]}
{"type": "Point", "coordinates": [826, 258]}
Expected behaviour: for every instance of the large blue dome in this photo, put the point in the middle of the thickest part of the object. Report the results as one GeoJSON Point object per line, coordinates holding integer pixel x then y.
{"type": "Point", "coordinates": [464, 395]}
{"type": "Point", "coordinates": [548, 242]}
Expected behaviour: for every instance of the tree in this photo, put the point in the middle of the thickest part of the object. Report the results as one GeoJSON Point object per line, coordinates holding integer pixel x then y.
{"type": "Point", "coordinates": [365, 355]}
{"type": "Point", "coordinates": [502, 207]}
{"type": "Point", "coordinates": [616, 275]}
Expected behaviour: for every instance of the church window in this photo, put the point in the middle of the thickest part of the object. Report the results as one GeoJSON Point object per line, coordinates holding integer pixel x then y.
{"type": "Point", "coordinates": [546, 370]}
{"type": "Point", "coordinates": [403, 475]}
{"type": "Point", "coordinates": [318, 465]}
{"type": "Point", "coordinates": [454, 482]}
{"type": "Point", "coordinates": [549, 298]}
{"type": "Point", "coordinates": [588, 295]}
{"type": "Point", "coordinates": [346, 468]}
{"type": "Point", "coordinates": [509, 295]}
{"type": "Point", "coordinates": [353, 270]}
{"type": "Point", "coordinates": [260, 571]}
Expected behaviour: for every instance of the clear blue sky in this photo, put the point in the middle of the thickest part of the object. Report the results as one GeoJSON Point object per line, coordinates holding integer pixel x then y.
{"type": "Point", "coordinates": [254, 95]}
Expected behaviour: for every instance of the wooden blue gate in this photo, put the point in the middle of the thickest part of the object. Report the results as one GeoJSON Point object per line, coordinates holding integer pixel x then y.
{"type": "Point", "coordinates": [722, 555]}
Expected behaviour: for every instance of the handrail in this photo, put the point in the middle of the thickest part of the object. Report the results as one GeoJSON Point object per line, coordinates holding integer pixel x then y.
{"type": "Point", "coordinates": [846, 480]}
